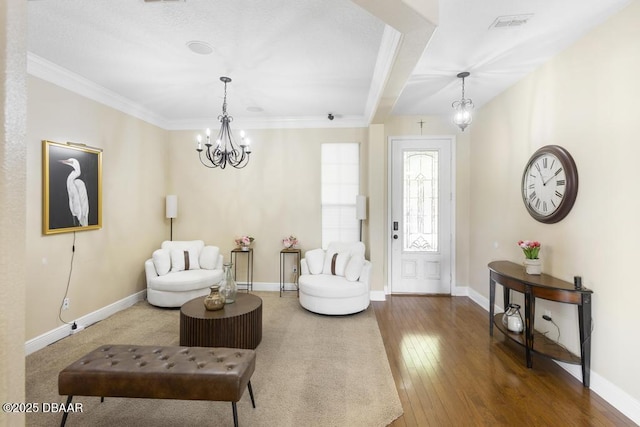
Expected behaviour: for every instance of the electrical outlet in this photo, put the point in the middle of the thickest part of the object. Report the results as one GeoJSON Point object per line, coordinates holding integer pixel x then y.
{"type": "Point", "coordinates": [547, 313]}
{"type": "Point", "coordinates": [77, 328]}
{"type": "Point", "coordinates": [65, 304]}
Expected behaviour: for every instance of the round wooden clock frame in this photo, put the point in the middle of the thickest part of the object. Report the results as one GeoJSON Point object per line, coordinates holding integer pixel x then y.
{"type": "Point", "coordinates": [571, 184]}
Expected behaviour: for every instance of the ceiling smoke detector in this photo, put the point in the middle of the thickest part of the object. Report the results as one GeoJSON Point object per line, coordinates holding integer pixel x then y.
{"type": "Point", "coordinates": [509, 21]}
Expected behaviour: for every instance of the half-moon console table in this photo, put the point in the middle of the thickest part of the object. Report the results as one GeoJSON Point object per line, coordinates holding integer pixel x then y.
{"type": "Point", "coordinates": [512, 276]}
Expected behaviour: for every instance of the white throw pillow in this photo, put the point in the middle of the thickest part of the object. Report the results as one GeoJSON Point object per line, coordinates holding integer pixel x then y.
{"type": "Point", "coordinates": [315, 260]}
{"type": "Point", "coordinates": [184, 260]}
{"type": "Point", "coordinates": [209, 257]}
{"type": "Point", "coordinates": [354, 268]}
{"type": "Point", "coordinates": [335, 263]}
{"type": "Point", "coordinates": [161, 261]}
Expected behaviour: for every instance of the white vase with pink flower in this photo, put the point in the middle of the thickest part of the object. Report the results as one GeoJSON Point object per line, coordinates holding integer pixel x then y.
{"type": "Point", "coordinates": [290, 242]}
{"type": "Point", "coordinates": [531, 249]}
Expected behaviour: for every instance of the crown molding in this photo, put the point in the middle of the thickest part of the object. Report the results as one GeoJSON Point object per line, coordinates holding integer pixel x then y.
{"type": "Point", "coordinates": [309, 122]}
{"type": "Point", "coordinates": [59, 76]}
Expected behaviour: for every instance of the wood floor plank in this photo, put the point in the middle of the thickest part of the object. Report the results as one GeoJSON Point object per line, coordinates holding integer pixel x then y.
{"type": "Point", "coordinates": [449, 371]}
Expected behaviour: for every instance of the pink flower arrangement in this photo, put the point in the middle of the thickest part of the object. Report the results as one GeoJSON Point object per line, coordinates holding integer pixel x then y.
{"type": "Point", "coordinates": [290, 242]}
{"type": "Point", "coordinates": [530, 248]}
{"type": "Point", "coordinates": [244, 240]}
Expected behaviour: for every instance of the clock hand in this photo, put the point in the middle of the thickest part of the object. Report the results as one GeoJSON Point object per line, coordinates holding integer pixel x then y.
{"type": "Point", "coordinates": [544, 182]}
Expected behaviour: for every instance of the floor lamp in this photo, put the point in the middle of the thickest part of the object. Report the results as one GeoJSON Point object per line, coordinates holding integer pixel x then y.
{"type": "Point", "coordinates": [361, 211]}
{"type": "Point", "coordinates": [171, 209]}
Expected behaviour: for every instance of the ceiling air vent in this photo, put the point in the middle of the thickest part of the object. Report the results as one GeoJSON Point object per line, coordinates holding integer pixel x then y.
{"type": "Point", "coordinates": [509, 21]}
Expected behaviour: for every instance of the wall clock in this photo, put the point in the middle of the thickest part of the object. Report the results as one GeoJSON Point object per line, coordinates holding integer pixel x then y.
{"type": "Point", "coordinates": [550, 184]}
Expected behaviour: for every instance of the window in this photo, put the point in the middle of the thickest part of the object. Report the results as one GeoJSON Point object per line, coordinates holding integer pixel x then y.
{"type": "Point", "coordinates": [340, 183]}
{"type": "Point", "coordinates": [421, 201]}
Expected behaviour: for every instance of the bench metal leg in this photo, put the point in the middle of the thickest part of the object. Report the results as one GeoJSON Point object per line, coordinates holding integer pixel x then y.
{"type": "Point", "coordinates": [235, 414]}
{"type": "Point", "coordinates": [65, 413]}
{"type": "Point", "coordinates": [253, 402]}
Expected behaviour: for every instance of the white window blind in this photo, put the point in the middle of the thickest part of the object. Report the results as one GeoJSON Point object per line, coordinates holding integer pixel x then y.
{"type": "Point", "coordinates": [340, 182]}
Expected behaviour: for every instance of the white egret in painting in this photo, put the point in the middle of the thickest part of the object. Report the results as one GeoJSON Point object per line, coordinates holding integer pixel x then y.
{"type": "Point", "coordinates": [78, 200]}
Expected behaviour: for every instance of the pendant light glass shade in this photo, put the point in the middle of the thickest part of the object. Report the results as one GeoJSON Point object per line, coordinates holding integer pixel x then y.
{"type": "Point", "coordinates": [462, 116]}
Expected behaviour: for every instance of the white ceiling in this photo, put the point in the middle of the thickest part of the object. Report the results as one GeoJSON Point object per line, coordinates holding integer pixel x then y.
{"type": "Point", "coordinates": [294, 61]}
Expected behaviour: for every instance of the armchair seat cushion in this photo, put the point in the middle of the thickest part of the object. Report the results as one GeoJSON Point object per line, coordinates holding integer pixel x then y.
{"type": "Point", "coordinates": [324, 285]}
{"type": "Point", "coordinates": [187, 280]}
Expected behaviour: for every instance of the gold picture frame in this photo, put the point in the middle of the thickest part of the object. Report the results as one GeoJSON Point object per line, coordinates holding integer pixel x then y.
{"type": "Point", "coordinates": [71, 187]}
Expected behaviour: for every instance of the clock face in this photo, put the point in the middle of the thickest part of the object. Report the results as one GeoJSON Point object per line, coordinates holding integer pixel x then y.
{"type": "Point", "coordinates": [550, 184]}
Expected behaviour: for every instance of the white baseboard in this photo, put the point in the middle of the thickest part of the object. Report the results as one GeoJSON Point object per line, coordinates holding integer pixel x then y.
{"type": "Point", "coordinates": [275, 287]}
{"type": "Point", "coordinates": [460, 291]}
{"type": "Point", "coordinates": [377, 296]}
{"type": "Point", "coordinates": [613, 394]}
{"type": "Point", "coordinates": [63, 331]}
{"type": "Point", "coordinates": [269, 287]}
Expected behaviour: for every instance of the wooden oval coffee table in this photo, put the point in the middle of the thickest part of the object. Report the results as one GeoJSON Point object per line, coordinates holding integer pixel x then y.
{"type": "Point", "coordinates": [237, 325]}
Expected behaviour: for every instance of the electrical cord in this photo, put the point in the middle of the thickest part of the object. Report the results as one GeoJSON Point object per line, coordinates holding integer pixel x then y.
{"type": "Point", "coordinates": [557, 341]}
{"type": "Point", "coordinates": [558, 328]}
{"type": "Point", "coordinates": [66, 292]}
{"type": "Point", "coordinates": [588, 337]}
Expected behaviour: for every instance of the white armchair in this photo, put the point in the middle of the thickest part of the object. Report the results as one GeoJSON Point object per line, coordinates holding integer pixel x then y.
{"type": "Point", "coordinates": [336, 281]}
{"type": "Point", "coordinates": [180, 271]}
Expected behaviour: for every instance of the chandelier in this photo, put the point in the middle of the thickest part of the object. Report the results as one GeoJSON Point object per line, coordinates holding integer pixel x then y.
{"type": "Point", "coordinates": [225, 150]}
{"type": "Point", "coordinates": [462, 116]}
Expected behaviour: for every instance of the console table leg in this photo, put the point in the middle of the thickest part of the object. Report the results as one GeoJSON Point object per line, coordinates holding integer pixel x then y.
{"type": "Point", "coordinates": [529, 316]}
{"type": "Point", "coordinates": [492, 300]}
{"type": "Point", "coordinates": [281, 273]}
{"type": "Point", "coordinates": [584, 322]}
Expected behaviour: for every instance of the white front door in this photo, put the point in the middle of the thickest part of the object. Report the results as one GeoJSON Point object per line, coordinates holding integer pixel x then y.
{"type": "Point", "coordinates": [421, 215]}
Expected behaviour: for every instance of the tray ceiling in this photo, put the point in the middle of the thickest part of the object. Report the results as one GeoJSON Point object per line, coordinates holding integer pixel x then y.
{"type": "Point", "coordinates": [294, 61]}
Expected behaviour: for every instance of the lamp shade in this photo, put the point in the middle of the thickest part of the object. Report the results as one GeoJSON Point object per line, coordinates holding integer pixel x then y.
{"type": "Point", "coordinates": [361, 207]}
{"type": "Point", "coordinates": [172, 206]}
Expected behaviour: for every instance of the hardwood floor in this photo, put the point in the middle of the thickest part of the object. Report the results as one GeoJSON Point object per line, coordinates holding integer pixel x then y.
{"type": "Point", "coordinates": [450, 372]}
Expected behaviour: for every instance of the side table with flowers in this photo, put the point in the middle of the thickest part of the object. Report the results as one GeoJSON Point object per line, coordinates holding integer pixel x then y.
{"type": "Point", "coordinates": [532, 263]}
{"type": "Point", "coordinates": [290, 242]}
{"type": "Point", "coordinates": [244, 242]}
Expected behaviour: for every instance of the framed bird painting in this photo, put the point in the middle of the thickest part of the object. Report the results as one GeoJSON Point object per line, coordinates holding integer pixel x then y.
{"type": "Point", "coordinates": [71, 187]}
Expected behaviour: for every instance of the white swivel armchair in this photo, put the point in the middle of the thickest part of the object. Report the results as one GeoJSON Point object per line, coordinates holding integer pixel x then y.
{"type": "Point", "coordinates": [336, 281]}
{"type": "Point", "coordinates": [180, 271]}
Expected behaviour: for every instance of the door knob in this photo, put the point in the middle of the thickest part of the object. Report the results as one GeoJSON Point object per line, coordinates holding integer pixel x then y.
{"type": "Point", "coordinates": [395, 236]}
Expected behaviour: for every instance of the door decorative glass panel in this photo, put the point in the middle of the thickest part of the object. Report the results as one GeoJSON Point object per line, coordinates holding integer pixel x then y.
{"type": "Point", "coordinates": [420, 208]}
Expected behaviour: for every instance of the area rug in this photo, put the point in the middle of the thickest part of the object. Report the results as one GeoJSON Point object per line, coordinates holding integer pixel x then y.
{"type": "Point", "coordinates": [311, 370]}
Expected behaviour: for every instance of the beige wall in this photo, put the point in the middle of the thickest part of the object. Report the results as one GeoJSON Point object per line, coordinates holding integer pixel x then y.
{"type": "Point", "coordinates": [13, 111]}
{"type": "Point", "coordinates": [278, 194]}
{"type": "Point", "coordinates": [584, 100]}
{"type": "Point", "coordinates": [108, 263]}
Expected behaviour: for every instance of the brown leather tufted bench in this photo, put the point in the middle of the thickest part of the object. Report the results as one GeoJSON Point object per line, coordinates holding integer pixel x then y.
{"type": "Point", "coordinates": [186, 373]}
